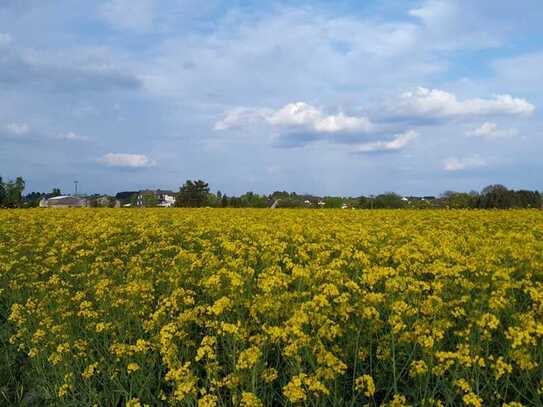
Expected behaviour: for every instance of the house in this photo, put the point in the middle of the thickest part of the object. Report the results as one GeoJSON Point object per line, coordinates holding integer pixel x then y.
{"type": "Point", "coordinates": [63, 201]}
{"type": "Point", "coordinates": [167, 200]}
{"type": "Point", "coordinates": [125, 197]}
{"type": "Point", "coordinates": [160, 198]}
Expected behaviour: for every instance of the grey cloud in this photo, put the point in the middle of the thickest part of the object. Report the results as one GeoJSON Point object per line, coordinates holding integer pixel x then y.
{"type": "Point", "coordinates": [297, 139]}
{"type": "Point", "coordinates": [19, 70]}
{"type": "Point", "coordinates": [459, 24]}
{"type": "Point", "coordinates": [292, 138]}
{"type": "Point", "coordinates": [239, 58]}
{"type": "Point", "coordinates": [153, 16]}
{"type": "Point", "coordinates": [523, 72]}
{"type": "Point", "coordinates": [135, 15]}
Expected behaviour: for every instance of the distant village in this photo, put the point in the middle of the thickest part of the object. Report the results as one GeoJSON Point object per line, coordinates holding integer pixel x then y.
{"type": "Point", "coordinates": [146, 198]}
{"type": "Point", "coordinates": [167, 199]}
{"type": "Point", "coordinates": [197, 194]}
{"type": "Point", "coordinates": [498, 198]}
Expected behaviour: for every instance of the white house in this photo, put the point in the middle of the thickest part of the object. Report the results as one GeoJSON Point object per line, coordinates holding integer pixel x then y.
{"type": "Point", "coordinates": [165, 199]}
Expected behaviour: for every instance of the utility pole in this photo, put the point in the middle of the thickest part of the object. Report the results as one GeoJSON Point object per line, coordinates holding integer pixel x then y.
{"type": "Point", "coordinates": [75, 186]}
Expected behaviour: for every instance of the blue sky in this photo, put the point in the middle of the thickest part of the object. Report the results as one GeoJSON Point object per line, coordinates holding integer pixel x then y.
{"type": "Point", "coordinates": [322, 97]}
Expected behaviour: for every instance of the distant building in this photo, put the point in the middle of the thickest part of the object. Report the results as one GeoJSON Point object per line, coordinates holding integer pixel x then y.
{"type": "Point", "coordinates": [125, 197]}
{"type": "Point", "coordinates": [63, 201]}
{"type": "Point", "coordinates": [167, 200]}
{"type": "Point", "coordinates": [164, 199]}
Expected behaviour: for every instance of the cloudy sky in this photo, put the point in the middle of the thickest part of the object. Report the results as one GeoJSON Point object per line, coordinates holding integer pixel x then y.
{"type": "Point", "coordinates": [345, 97]}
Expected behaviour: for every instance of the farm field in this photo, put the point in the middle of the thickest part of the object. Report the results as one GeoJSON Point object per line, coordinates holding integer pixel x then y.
{"type": "Point", "coordinates": [213, 307]}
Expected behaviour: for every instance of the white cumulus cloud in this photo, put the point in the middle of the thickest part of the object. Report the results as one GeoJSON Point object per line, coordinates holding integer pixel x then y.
{"type": "Point", "coordinates": [299, 114]}
{"type": "Point", "coordinates": [18, 129]}
{"type": "Point", "coordinates": [126, 160]}
{"type": "Point", "coordinates": [399, 142]}
{"type": "Point", "coordinates": [241, 116]}
{"type": "Point", "coordinates": [435, 103]}
{"type": "Point", "coordinates": [491, 130]}
{"type": "Point", "coordinates": [465, 163]}
{"type": "Point", "coordinates": [306, 115]}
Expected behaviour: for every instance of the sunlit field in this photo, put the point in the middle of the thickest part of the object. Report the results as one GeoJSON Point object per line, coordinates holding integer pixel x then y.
{"type": "Point", "coordinates": [211, 307]}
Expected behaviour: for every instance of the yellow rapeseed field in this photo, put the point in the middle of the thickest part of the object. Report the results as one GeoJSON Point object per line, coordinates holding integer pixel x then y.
{"type": "Point", "coordinates": [211, 307]}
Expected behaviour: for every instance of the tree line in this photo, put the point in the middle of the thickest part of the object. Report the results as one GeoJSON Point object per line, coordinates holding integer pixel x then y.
{"type": "Point", "coordinates": [494, 196]}
{"type": "Point", "coordinates": [196, 193]}
{"type": "Point", "coordinates": [12, 196]}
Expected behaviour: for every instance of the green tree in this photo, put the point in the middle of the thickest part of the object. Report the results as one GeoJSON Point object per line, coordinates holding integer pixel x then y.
{"type": "Point", "coordinates": [252, 200]}
{"type": "Point", "coordinates": [389, 200]}
{"type": "Point", "coordinates": [213, 200]}
{"type": "Point", "coordinates": [2, 193]}
{"type": "Point", "coordinates": [496, 196]}
{"type": "Point", "coordinates": [32, 200]}
{"type": "Point", "coordinates": [235, 202]}
{"type": "Point", "coordinates": [333, 202]}
{"type": "Point", "coordinates": [290, 202]}
{"type": "Point", "coordinates": [279, 195]}
{"type": "Point", "coordinates": [224, 201]}
{"type": "Point", "coordinates": [458, 200]}
{"type": "Point", "coordinates": [193, 194]}
{"type": "Point", "coordinates": [527, 199]}
{"type": "Point", "coordinates": [495, 188]}
{"type": "Point", "coordinates": [420, 203]}
{"type": "Point", "coordinates": [14, 193]}
{"type": "Point", "coordinates": [363, 202]}
{"type": "Point", "coordinates": [149, 200]}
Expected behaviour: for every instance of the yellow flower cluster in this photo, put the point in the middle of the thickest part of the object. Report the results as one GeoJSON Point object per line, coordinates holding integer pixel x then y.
{"type": "Point", "coordinates": [248, 307]}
